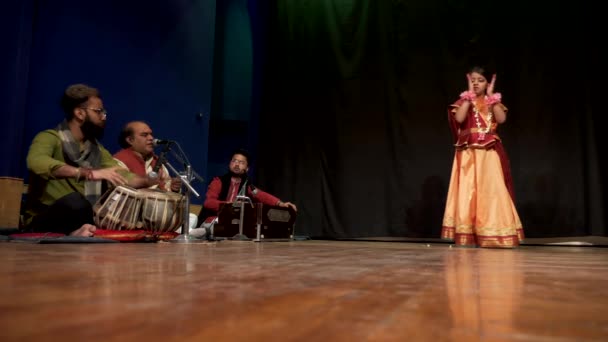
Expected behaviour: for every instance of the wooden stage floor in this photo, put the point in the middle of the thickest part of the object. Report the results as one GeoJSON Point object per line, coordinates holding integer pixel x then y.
{"type": "Point", "coordinates": [301, 291]}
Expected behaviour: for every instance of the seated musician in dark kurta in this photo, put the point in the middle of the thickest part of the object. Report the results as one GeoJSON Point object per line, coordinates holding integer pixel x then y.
{"type": "Point", "coordinates": [226, 188]}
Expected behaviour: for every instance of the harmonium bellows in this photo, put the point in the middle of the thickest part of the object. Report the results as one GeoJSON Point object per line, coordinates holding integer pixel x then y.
{"type": "Point", "coordinates": [260, 222]}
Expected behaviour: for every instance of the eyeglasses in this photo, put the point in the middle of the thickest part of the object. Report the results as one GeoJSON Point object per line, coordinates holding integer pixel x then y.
{"type": "Point", "coordinates": [240, 162]}
{"type": "Point", "coordinates": [100, 111]}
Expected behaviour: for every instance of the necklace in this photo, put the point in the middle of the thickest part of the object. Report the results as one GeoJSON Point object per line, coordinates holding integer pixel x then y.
{"type": "Point", "coordinates": [477, 116]}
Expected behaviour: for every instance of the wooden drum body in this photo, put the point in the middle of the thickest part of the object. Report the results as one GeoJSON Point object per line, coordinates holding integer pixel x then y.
{"type": "Point", "coordinates": [118, 209]}
{"type": "Point", "coordinates": [161, 211]}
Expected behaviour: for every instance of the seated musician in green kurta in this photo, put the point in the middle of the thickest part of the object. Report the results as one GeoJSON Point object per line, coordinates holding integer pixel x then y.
{"type": "Point", "coordinates": [69, 168]}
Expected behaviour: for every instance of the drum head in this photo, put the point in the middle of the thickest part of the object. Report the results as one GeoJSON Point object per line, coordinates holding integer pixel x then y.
{"type": "Point", "coordinates": [160, 194]}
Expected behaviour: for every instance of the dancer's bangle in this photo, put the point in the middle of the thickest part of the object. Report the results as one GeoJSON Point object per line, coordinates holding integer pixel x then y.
{"type": "Point", "coordinates": [467, 95]}
{"type": "Point", "coordinates": [494, 98]}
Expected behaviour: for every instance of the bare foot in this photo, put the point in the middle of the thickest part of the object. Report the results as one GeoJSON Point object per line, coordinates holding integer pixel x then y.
{"type": "Point", "coordinates": [86, 230]}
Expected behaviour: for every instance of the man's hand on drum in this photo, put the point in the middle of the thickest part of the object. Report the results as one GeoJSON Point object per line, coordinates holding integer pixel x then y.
{"type": "Point", "coordinates": [110, 174]}
{"type": "Point", "coordinates": [149, 181]}
{"type": "Point", "coordinates": [176, 184]}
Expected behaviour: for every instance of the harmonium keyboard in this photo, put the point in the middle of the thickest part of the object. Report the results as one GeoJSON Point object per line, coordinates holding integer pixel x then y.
{"type": "Point", "coordinates": [254, 221]}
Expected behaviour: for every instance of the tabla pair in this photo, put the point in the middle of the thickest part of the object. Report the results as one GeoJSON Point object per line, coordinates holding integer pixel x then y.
{"type": "Point", "coordinates": [125, 208]}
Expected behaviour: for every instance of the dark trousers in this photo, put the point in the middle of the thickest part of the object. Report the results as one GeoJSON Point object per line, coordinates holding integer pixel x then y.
{"type": "Point", "coordinates": [66, 215]}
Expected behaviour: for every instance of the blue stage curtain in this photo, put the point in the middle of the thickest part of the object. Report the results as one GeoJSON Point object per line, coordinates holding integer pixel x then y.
{"type": "Point", "coordinates": [16, 27]}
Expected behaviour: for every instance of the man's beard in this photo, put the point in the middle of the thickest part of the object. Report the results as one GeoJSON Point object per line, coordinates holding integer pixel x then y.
{"type": "Point", "coordinates": [238, 175]}
{"type": "Point", "coordinates": [90, 130]}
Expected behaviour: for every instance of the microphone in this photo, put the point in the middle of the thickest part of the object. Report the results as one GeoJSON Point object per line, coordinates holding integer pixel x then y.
{"type": "Point", "coordinates": [157, 142]}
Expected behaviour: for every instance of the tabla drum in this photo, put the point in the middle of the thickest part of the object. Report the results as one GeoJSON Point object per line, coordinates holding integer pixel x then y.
{"type": "Point", "coordinates": [119, 209]}
{"type": "Point", "coordinates": [162, 211]}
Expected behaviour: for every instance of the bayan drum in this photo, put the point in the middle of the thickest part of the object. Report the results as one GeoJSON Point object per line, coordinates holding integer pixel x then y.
{"type": "Point", "coordinates": [161, 211]}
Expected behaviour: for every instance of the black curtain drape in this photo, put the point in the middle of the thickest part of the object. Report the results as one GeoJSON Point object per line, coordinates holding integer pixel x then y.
{"type": "Point", "coordinates": [354, 129]}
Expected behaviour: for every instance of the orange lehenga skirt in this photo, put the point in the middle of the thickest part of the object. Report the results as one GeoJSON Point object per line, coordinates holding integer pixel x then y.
{"type": "Point", "coordinates": [479, 209]}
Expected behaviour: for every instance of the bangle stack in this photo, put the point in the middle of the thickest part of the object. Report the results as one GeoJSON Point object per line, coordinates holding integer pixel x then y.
{"type": "Point", "coordinates": [490, 100]}
{"type": "Point", "coordinates": [468, 96]}
{"type": "Point", "coordinates": [494, 99]}
{"type": "Point", "coordinates": [87, 174]}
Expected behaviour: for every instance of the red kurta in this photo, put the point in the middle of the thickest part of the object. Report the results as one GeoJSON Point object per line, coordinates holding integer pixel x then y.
{"type": "Point", "coordinates": [212, 201]}
{"type": "Point", "coordinates": [137, 165]}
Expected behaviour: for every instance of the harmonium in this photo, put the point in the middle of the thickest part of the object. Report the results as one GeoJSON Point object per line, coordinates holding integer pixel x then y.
{"type": "Point", "coordinates": [254, 221]}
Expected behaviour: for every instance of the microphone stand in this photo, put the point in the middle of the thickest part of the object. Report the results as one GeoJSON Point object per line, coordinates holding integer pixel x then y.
{"type": "Point", "coordinates": [184, 162]}
{"type": "Point", "coordinates": [160, 162]}
{"type": "Point", "coordinates": [187, 177]}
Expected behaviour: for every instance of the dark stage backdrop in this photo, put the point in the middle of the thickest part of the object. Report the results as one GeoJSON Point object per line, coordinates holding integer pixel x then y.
{"type": "Point", "coordinates": [237, 73]}
{"type": "Point", "coordinates": [354, 126]}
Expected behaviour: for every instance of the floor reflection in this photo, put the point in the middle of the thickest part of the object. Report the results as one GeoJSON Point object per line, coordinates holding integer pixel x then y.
{"type": "Point", "coordinates": [484, 289]}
